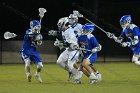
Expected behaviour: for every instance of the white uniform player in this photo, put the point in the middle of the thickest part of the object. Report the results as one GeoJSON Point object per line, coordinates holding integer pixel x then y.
{"type": "Point", "coordinates": [69, 56]}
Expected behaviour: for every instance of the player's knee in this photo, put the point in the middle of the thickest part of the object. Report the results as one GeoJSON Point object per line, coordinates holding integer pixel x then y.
{"type": "Point", "coordinates": [59, 61]}
{"type": "Point", "coordinates": [70, 65]}
{"type": "Point", "coordinates": [40, 65]}
{"type": "Point", "coordinates": [134, 59]}
{"type": "Point", "coordinates": [85, 62]}
{"type": "Point", "coordinates": [27, 62]}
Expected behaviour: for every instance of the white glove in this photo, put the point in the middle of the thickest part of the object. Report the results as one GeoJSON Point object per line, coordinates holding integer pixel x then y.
{"type": "Point", "coordinates": [110, 35]}
{"type": "Point", "coordinates": [74, 46]}
{"type": "Point", "coordinates": [94, 50]}
{"type": "Point", "coordinates": [58, 43]}
{"type": "Point", "coordinates": [39, 42]}
{"type": "Point", "coordinates": [39, 37]}
{"type": "Point", "coordinates": [52, 32]}
{"type": "Point", "coordinates": [125, 44]}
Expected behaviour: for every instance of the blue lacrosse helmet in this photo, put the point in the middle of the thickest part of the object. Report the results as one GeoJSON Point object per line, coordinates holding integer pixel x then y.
{"type": "Point", "coordinates": [34, 23]}
{"type": "Point", "coordinates": [88, 27]}
{"type": "Point", "coordinates": [126, 19]}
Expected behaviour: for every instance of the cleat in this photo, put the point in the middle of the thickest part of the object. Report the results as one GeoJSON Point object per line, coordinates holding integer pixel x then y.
{"type": "Point", "coordinates": [29, 78]}
{"type": "Point", "coordinates": [77, 81]}
{"type": "Point", "coordinates": [70, 76]}
{"type": "Point", "coordinates": [99, 77]}
{"type": "Point", "coordinates": [92, 81]}
{"type": "Point", "coordinates": [38, 77]}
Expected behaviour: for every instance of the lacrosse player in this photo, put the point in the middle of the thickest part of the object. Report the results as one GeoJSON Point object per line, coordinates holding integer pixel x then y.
{"type": "Point", "coordinates": [130, 37]}
{"type": "Point", "coordinates": [69, 56]}
{"type": "Point", "coordinates": [89, 42]}
{"type": "Point", "coordinates": [29, 53]}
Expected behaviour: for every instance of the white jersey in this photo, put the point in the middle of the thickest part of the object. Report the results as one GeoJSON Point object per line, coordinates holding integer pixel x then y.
{"type": "Point", "coordinates": [69, 36]}
{"type": "Point", "coordinates": [77, 29]}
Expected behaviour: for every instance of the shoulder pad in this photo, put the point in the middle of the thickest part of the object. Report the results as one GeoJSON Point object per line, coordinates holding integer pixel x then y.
{"type": "Point", "coordinates": [89, 36]}
{"type": "Point", "coordinates": [132, 26]}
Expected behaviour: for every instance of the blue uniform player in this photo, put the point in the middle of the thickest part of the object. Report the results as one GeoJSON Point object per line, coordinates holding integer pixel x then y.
{"type": "Point", "coordinates": [89, 42]}
{"type": "Point", "coordinates": [130, 37]}
{"type": "Point", "coordinates": [29, 52]}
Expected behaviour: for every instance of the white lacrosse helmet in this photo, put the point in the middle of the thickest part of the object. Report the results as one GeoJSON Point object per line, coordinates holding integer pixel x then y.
{"type": "Point", "coordinates": [73, 19]}
{"type": "Point", "coordinates": [62, 22]}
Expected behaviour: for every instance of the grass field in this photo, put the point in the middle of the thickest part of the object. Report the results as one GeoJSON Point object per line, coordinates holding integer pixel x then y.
{"type": "Point", "coordinates": [117, 78]}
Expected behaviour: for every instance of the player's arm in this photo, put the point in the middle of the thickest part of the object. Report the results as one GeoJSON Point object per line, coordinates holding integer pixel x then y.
{"type": "Point", "coordinates": [136, 33]}
{"type": "Point", "coordinates": [134, 40]}
{"type": "Point", "coordinates": [39, 38]}
{"type": "Point", "coordinates": [97, 46]}
{"type": "Point", "coordinates": [54, 33]}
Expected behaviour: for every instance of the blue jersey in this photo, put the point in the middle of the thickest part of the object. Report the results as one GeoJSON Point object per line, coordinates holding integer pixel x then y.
{"type": "Point", "coordinates": [88, 42]}
{"type": "Point", "coordinates": [28, 49]}
{"type": "Point", "coordinates": [129, 35]}
{"type": "Point", "coordinates": [29, 41]}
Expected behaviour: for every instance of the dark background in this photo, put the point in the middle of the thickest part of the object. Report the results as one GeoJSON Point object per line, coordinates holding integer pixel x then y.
{"type": "Point", "coordinates": [16, 15]}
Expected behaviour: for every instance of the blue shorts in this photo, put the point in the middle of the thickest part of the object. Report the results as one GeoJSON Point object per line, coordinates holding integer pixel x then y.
{"type": "Point", "coordinates": [32, 55]}
{"type": "Point", "coordinates": [92, 58]}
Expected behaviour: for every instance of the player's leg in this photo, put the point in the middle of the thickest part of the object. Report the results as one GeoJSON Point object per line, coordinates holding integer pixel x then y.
{"type": "Point", "coordinates": [85, 72]}
{"type": "Point", "coordinates": [73, 56]}
{"type": "Point", "coordinates": [87, 61]}
{"type": "Point", "coordinates": [27, 69]}
{"type": "Point", "coordinates": [62, 59]}
{"type": "Point", "coordinates": [27, 61]}
{"type": "Point", "coordinates": [135, 59]}
{"type": "Point", "coordinates": [136, 56]}
{"type": "Point", "coordinates": [99, 76]}
{"type": "Point", "coordinates": [37, 73]}
{"type": "Point", "coordinates": [37, 59]}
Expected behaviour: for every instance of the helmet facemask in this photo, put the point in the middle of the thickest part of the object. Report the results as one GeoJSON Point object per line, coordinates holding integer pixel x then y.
{"type": "Point", "coordinates": [125, 21]}
{"type": "Point", "coordinates": [36, 29]}
{"type": "Point", "coordinates": [35, 26]}
{"type": "Point", "coordinates": [73, 19]}
{"type": "Point", "coordinates": [124, 24]}
{"type": "Point", "coordinates": [61, 23]}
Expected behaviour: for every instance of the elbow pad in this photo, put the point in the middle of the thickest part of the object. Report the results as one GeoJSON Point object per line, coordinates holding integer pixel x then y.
{"type": "Point", "coordinates": [96, 49]}
{"type": "Point", "coordinates": [135, 41]}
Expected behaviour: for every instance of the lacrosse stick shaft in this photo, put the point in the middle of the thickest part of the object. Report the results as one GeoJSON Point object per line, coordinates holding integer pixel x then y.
{"type": "Point", "coordinates": [96, 25]}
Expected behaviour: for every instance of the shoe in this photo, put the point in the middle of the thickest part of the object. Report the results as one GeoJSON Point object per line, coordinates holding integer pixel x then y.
{"type": "Point", "coordinates": [38, 77]}
{"type": "Point", "coordinates": [70, 76]}
{"type": "Point", "coordinates": [29, 78]}
{"type": "Point", "coordinates": [77, 81]}
{"type": "Point", "coordinates": [99, 77]}
{"type": "Point", "coordinates": [92, 81]}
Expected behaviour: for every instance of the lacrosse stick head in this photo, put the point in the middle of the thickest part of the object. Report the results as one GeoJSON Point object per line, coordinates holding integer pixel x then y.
{"type": "Point", "coordinates": [42, 11]}
{"type": "Point", "coordinates": [8, 35]}
{"type": "Point", "coordinates": [75, 12]}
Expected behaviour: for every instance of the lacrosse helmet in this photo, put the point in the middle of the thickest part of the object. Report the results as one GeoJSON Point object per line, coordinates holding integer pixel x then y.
{"type": "Point", "coordinates": [35, 26]}
{"type": "Point", "coordinates": [73, 19]}
{"type": "Point", "coordinates": [88, 28]}
{"type": "Point", "coordinates": [62, 22]}
{"type": "Point", "coordinates": [125, 21]}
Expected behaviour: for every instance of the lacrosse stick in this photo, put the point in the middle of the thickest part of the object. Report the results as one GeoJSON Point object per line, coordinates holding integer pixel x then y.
{"type": "Point", "coordinates": [42, 11]}
{"type": "Point", "coordinates": [83, 49]}
{"type": "Point", "coordinates": [8, 35]}
{"type": "Point", "coordinates": [75, 12]}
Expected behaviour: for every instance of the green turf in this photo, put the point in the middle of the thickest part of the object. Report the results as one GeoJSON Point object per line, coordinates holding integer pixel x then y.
{"type": "Point", "coordinates": [117, 78]}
